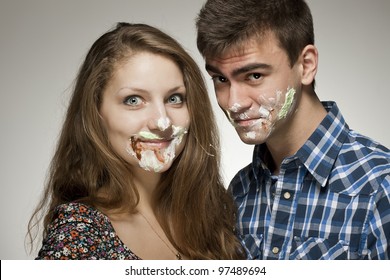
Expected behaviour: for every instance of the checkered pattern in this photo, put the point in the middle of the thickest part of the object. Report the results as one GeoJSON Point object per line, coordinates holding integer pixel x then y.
{"type": "Point", "coordinates": [331, 199]}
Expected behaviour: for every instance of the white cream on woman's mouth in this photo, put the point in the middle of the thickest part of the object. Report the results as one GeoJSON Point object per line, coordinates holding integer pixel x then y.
{"type": "Point", "coordinates": [153, 151]}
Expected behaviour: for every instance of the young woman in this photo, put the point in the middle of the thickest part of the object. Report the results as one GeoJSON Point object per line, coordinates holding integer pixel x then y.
{"type": "Point", "coordinates": [136, 170]}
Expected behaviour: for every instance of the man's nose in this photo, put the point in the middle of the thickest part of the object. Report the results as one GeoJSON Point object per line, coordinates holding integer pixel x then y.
{"type": "Point", "coordinates": [238, 100]}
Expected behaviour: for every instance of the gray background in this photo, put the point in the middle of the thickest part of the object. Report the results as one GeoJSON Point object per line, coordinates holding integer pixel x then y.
{"type": "Point", "coordinates": [43, 42]}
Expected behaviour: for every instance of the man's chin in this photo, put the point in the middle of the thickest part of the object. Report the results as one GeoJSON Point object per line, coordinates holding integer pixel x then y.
{"type": "Point", "coordinates": [250, 140]}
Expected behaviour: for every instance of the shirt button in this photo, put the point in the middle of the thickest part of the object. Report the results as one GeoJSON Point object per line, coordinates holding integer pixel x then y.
{"type": "Point", "coordinates": [287, 195]}
{"type": "Point", "coordinates": [275, 250]}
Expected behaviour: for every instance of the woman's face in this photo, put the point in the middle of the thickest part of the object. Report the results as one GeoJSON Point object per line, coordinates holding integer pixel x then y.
{"type": "Point", "coordinates": [144, 111]}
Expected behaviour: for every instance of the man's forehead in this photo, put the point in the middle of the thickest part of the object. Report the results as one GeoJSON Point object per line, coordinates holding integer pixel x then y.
{"type": "Point", "coordinates": [244, 47]}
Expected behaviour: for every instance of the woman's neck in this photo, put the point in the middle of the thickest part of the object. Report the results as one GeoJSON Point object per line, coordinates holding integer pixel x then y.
{"type": "Point", "coordinates": [146, 183]}
{"type": "Point", "coordinates": [145, 179]}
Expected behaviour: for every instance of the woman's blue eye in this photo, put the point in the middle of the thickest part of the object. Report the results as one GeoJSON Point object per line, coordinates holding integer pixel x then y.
{"type": "Point", "coordinates": [175, 99]}
{"type": "Point", "coordinates": [133, 100]}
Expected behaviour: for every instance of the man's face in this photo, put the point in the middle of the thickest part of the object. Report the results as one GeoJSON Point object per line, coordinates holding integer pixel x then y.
{"type": "Point", "coordinates": [257, 88]}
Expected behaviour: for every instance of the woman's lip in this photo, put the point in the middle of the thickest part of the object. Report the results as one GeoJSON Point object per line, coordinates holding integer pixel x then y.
{"type": "Point", "coordinates": [154, 140]}
{"type": "Point", "coordinates": [155, 143]}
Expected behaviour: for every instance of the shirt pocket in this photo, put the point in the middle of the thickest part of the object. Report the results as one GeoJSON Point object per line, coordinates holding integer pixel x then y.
{"type": "Point", "coordinates": [253, 244]}
{"type": "Point", "coordinates": [314, 248]}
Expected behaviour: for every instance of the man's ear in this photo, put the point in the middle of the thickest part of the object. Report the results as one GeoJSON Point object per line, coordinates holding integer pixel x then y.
{"type": "Point", "coordinates": [309, 60]}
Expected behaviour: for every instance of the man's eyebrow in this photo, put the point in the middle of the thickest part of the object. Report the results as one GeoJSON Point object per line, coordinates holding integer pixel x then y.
{"type": "Point", "coordinates": [241, 70]}
{"type": "Point", "coordinates": [250, 67]}
{"type": "Point", "coordinates": [212, 69]}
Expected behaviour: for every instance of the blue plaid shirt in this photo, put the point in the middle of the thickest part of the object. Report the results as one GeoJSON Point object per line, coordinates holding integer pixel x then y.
{"type": "Point", "coordinates": [331, 200]}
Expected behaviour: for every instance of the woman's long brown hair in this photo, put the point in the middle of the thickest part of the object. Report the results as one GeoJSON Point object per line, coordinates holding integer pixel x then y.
{"type": "Point", "coordinates": [191, 203]}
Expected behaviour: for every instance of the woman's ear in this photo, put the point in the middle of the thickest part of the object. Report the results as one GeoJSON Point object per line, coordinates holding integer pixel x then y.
{"type": "Point", "coordinates": [309, 62]}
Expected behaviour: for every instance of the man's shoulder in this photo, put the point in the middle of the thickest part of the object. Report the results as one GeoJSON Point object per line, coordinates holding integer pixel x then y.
{"type": "Point", "coordinates": [361, 166]}
{"type": "Point", "coordinates": [362, 150]}
{"type": "Point", "coordinates": [242, 179]}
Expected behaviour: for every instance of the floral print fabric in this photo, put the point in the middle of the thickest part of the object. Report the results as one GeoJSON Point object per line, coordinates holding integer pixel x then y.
{"type": "Point", "coordinates": [82, 232]}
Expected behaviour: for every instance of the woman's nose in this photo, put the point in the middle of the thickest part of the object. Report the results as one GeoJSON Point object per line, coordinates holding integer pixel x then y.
{"type": "Point", "coordinates": [159, 119]}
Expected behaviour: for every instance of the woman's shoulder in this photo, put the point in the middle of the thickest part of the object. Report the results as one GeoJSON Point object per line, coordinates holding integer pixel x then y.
{"type": "Point", "coordinates": [79, 231]}
{"type": "Point", "coordinates": [75, 212]}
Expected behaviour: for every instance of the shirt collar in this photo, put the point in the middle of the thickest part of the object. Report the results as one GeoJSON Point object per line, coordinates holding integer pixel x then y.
{"type": "Point", "coordinates": [320, 151]}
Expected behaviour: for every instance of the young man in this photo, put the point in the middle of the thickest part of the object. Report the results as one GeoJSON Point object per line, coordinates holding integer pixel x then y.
{"type": "Point", "coordinates": [315, 189]}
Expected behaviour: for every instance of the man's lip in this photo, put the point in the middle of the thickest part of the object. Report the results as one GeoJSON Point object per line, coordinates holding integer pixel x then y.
{"type": "Point", "coordinates": [246, 122]}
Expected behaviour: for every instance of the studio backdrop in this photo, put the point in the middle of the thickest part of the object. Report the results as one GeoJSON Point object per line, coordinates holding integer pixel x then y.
{"type": "Point", "coordinates": [43, 43]}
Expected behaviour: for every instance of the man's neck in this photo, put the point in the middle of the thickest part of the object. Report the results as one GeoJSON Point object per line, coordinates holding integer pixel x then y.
{"type": "Point", "coordinates": [292, 134]}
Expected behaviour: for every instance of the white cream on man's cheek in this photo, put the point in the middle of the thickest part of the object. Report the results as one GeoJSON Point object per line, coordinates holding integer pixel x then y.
{"type": "Point", "coordinates": [235, 108]}
{"type": "Point", "coordinates": [281, 104]}
{"type": "Point", "coordinates": [276, 108]}
{"type": "Point", "coordinates": [288, 103]}
{"type": "Point", "coordinates": [272, 109]}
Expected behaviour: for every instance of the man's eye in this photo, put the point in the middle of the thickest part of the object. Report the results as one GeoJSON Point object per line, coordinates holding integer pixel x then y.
{"type": "Point", "coordinates": [133, 100]}
{"type": "Point", "coordinates": [176, 99]}
{"type": "Point", "coordinates": [254, 76]}
{"type": "Point", "coordinates": [219, 79]}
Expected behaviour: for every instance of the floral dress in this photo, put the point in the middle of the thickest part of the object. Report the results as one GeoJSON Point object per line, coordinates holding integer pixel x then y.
{"type": "Point", "coordinates": [81, 232]}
